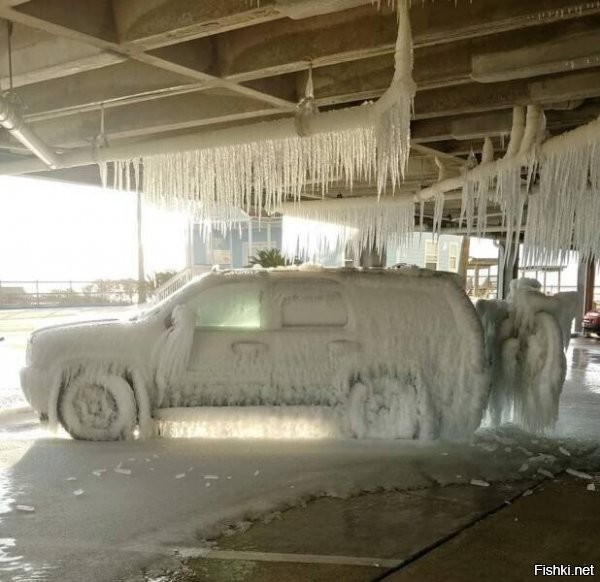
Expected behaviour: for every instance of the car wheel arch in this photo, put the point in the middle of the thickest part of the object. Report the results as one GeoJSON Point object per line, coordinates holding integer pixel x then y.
{"type": "Point", "coordinates": [133, 377]}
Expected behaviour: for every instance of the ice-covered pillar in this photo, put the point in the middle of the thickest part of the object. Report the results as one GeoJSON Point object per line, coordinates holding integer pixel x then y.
{"type": "Point", "coordinates": [142, 296]}
{"type": "Point", "coordinates": [586, 281]}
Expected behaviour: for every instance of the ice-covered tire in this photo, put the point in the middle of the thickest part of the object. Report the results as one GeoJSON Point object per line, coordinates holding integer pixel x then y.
{"type": "Point", "coordinates": [100, 407]}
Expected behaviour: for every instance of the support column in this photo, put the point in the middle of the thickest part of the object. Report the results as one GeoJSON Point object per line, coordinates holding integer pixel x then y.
{"type": "Point", "coordinates": [141, 272]}
{"type": "Point", "coordinates": [463, 263]}
{"type": "Point", "coordinates": [586, 280]}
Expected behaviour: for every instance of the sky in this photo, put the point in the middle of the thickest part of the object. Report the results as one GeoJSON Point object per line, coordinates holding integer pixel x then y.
{"type": "Point", "coordinates": [52, 230]}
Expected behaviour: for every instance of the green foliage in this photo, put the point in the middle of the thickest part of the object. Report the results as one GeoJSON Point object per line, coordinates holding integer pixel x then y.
{"type": "Point", "coordinates": [157, 279]}
{"type": "Point", "coordinates": [269, 258]}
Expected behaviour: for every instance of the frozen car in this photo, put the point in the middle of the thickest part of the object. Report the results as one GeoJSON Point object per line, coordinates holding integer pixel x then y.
{"type": "Point", "coordinates": [396, 354]}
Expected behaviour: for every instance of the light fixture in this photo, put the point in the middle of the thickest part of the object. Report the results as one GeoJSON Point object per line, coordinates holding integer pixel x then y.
{"type": "Point", "coordinates": [12, 120]}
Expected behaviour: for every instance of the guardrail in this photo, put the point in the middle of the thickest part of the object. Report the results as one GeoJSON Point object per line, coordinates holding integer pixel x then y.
{"type": "Point", "coordinates": [28, 294]}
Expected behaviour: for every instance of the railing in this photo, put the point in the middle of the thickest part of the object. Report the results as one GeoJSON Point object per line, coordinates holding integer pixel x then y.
{"type": "Point", "coordinates": [178, 281]}
{"type": "Point", "coordinates": [28, 294]}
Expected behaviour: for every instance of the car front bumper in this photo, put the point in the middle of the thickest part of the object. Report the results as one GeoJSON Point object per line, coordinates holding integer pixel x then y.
{"type": "Point", "coordinates": [36, 384]}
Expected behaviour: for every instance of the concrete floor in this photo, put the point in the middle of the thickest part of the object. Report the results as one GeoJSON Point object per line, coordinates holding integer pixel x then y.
{"type": "Point", "coordinates": [455, 534]}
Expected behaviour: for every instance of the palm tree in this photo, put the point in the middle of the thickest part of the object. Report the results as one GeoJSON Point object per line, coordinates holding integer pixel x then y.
{"type": "Point", "coordinates": [269, 258]}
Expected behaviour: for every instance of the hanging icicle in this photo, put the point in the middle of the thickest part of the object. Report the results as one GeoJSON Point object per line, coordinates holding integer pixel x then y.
{"type": "Point", "coordinates": [394, 109]}
{"type": "Point", "coordinates": [257, 175]}
{"type": "Point", "coordinates": [565, 213]}
{"type": "Point", "coordinates": [317, 229]}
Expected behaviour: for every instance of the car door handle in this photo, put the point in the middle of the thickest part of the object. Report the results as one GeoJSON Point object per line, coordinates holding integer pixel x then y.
{"type": "Point", "coordinates": [339, 348]}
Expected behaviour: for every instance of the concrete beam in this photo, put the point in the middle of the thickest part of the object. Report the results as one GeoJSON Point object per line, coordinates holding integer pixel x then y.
{"type": "Point", "coordinates": [493, 124]}
{"type": "Point", "coordinates": [566, 46]}
{"type": "Point", "coordinates": [97, 36]}
{"type": "Point", "coordinates": [155, 23]}
{"type": "Point", "coordinates": [131, 81]}
{"type": "Point", "coordinates": [89, 17]}
{"type": "Point", "coordinates": [286, 46]}
{"type": "Point", "coordinates": [290, 45]}
{"type": "Point", "coordinates": [38, 56]}
{"type": "Point", "coordinates": [151, 117]}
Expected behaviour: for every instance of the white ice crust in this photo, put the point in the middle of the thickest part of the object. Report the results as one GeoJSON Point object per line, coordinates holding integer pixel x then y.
{"type": "Point", "coordinates": [408, 363]}
{"type": "Point", "coordinates": [526, 336]}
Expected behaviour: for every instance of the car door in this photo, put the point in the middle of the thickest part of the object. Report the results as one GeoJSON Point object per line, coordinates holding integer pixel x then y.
{"type": "Point", "coordinates": [315, 343]}
{"type": "Point", "coordinates": [230, 354]}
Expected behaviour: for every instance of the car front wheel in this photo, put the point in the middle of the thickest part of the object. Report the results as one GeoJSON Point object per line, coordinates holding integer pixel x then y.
{"type": "Point", "coordinates": [98, 407]}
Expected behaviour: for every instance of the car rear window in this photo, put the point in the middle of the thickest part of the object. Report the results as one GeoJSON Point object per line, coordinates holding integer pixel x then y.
{"type": "Point", "coordinates": [317, 303]}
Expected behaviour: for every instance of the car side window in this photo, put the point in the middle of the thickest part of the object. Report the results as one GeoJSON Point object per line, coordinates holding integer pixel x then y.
{"type": "Point", "coordinates": [231, 305]}
{"type": "Point", "coordinates": [318, 303]}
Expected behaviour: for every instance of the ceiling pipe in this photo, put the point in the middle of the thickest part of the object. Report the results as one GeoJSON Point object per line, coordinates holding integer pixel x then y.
{"type": "Point", "coordinates": [11, 120]}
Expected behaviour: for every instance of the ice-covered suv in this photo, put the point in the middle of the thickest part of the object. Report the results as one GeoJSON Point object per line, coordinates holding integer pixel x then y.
{"type": "Point", "coordinates": [396, 354]}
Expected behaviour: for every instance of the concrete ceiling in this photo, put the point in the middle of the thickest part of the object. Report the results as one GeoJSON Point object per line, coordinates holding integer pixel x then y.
{"type": "Point", "coordinates": [161, 68]}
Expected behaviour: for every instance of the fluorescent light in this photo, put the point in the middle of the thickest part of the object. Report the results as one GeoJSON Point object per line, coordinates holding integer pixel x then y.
{"type": "Point", "coordinates": [11, 119]}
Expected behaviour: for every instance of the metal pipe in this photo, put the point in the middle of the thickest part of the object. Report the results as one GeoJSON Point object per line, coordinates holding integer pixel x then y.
{"type": "Point", "coordinates": [11, 120]}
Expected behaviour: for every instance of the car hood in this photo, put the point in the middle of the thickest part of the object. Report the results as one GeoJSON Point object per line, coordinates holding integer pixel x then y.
{"type": "Point", "coordinates": [103, 339]}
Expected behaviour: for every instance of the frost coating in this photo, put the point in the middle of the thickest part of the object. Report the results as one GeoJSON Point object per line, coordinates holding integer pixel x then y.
{"type": "Point", "coordinates": [313, 230]}
{"type": "Point", "coordinates": [525, 338]}
{"type": "Point", "coordinates": [350, 347]}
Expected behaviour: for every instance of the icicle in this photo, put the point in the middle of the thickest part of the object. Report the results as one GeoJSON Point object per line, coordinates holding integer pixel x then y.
{"type": "Point", "coordinates": [516, 133]}
{"type": "Point", "coordinates": [565, 214]}
{"type": "Point", "coordinates": [103, 168]}
{"type": "Point", "coordinates": [438, 213]}
{"type": "Point", "coordinates": [316, 229]}
{"type": "Point", "coordinates": [487, 154]}
{"type": "Point", "coordinates": [307, 106]}
{"type": "Point", "coordinates": [264, 173]}
{"type": "Point", "coordinates": [394, 109]}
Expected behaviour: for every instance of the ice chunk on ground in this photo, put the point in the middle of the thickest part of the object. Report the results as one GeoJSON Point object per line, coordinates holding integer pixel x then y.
{"type": "Point", "coordinates": [579, 474]}
{"type": "Point", "coordinates": [479, 483]}
{"type": "Point", "coordinates": [99, 472]}
{"type": "Point", "coordinates": [546, 473]}
{"type": "Point", "coordinates": [591, 487]}
{"type": "Point", "coordinates": [211, 477]}
{"type": "Point", "coordinates": [78, 492]}
{"type": "Point", "coordinates": [564, 451]}
{"type": "Point", "coordinates": [524, 467]}
{"type": "Point", "coordinates": [26, 508]}
{"type": "Point", "coordinates": [122, 471]}
{"type": "Point", "coordinates": [180, 476]}
{"type": "Point", "coordinates": [71, 479]}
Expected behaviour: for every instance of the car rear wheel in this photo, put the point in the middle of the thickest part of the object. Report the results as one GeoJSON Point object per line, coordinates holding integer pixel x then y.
{"type": "Point", "coordinates": [98, 407]}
